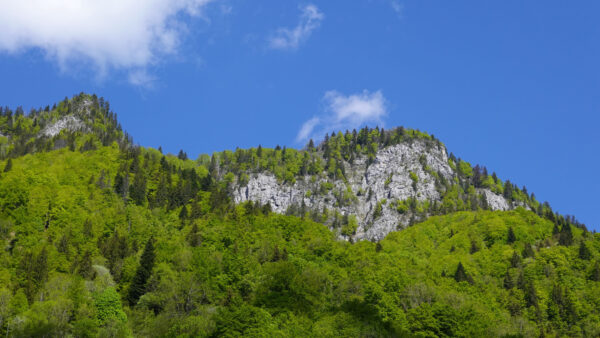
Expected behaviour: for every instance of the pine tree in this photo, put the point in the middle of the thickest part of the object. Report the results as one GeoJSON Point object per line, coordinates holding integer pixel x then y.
{"type": "Point", "coordinates": [137, 191]}
{"type": "Point", "coordinates": [515, 260]}
{"type": "Point", "coordinates": [194, 237]}
{"type": "Point", "coordinates": [531, 298]}
{"type": "Point", "coordinates": [511, 238]}
{"type": "Point", "coordinates": [508, 281]}
{"type": "Point", "coordinates": [183, 214]}
{"type": "Point", "coordinates": [474, 247]}
{"type": "Point", "coordinates": [584, 251]}
{"type": "Point", "coordinates": [508, 190]}
{"type": "Point", "coordinates": [138, 285]}
{"type": "Point", "coordinates": [528, 251]}
{"type": "Point", "coordinates": [556, 229]}
{"type": "Point", "coordinates": [85, 268]}
{"type": "Point", "coordinates": [461, 275]}
{"type": "Point", "coordinates": [566, 236]}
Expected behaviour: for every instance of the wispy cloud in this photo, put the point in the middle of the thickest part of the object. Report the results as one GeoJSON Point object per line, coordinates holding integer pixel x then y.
{"type": "Point", "coordinates": [124, 35]}
{"type": "Point", "coordinates": [286, 38]}
{"type": "Point", "coordinates": [343, 112]}
{"type": "Point", "coordinates": [398, 8]}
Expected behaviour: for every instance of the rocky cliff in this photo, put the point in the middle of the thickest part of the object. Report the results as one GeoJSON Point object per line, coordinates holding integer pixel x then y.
{"type": "Point", "coordinates": [405, 183]}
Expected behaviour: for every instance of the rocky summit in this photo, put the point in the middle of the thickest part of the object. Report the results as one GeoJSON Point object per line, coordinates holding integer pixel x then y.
{"type": "Point", "coordinates": [411, 171]}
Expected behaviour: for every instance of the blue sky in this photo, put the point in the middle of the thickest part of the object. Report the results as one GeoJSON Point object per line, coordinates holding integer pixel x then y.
{"type": "Point", "coordinates": [511, 85]}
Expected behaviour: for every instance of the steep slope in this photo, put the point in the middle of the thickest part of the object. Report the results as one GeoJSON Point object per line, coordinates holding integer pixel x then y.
{"type": "Point", "coordinates": [366, 184]}
{"type": "Point", "coordinates": [73, 247]}
{"type": "Point", "coordinates": [399, 173]}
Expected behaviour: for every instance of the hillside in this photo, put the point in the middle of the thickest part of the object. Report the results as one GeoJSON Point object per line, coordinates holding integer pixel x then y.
{"type": "Point", "coordinates": [104, 238]}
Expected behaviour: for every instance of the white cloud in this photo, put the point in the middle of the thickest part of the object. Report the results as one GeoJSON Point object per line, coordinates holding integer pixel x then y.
{"type": "Point", "coordinates": [345, 113]}
{"type": "Point", "coordinates": [125, 35]}
{"type": "Point", "coordinates": [307, 129]}
{"type": "Point", "coordinates": [286, 38]}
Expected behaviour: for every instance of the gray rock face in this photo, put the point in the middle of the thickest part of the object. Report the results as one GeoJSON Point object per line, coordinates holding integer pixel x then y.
{"type": "Point", "coordinates": [70, 122]}
{"type": "Point", "coordinates": [399, 172]}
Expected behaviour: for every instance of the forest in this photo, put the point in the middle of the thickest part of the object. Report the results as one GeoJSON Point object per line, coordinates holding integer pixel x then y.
{"type": "Point", "coordinates": [105, 238]}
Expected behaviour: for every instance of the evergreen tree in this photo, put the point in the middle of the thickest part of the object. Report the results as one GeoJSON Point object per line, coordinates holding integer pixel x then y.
{"type": "Point", "coordinates": [511, 238]}
{"type": "Point", "coordinates": [121, 185]}
{"type": "Point", "coordinates": [138, 285]}
{"type": "Point", "coordinates": [528, 251]}
{"type": "Point", "coordinates": [183, 214]}
{"type": "Point", "coordinates": [555, 229]}
{"type": "Point", "coordinates": [85, 268]}
{"type": "Point", "coordinates": [137, 191]}
{"type": "Point", "coordinates": [508, 190]}
{"type": "Point", "coordinates": [474, 247]}
{"type": "Point", "coordinates": [461, 275]}
{"type": "Point", "coordinates": [194, 237]}
{"type": "Point", "coordinates": [508, 281]}
{"type": "Point", "coordinates": [566, 236]}
{"type": "Point", "coordinates": [531, 298]}
{"type": "Point", "coordinates": [515, 260]}
{"type": "Point", "coordinates": [584, 251]}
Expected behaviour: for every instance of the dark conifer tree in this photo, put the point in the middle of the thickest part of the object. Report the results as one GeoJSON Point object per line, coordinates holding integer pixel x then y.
{"type": "Point", "coordinates": [194, 237]}
{"type": "Point", "coordinates": [85, 268]}
{"type": "Point", "coordinates": [584, 251]}
{"type": "Point", "coordinates": [531, 298]}
{"type": "Point", "coordinates": [474, 247]}
{"type": "Point", "coordinates": [508, 281]}
{"type": "Point", "coordinates": [461, 275]}
{"type": "Point", "coordinates": [138, 285]}
{"type": "Point", "coordinates": [515, 260]}
{"type": "Point", "coordinates": [508, 190]}
{"type": "Point", "coordinates": [137, 191]}
{"type": "Point", "coordinates": [556, 229]}
{"type": "Point", "coordinates": [528, 251]}
{"type": "Point", "coordinates": [566, 236]}
{"type": "Point", "coordinates": [511, 238]}
{"type": "Point", "coordinates": [183, 214]}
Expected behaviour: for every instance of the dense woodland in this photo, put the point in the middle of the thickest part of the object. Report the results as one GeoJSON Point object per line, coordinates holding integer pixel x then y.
{"type": "Point", "coordinates": [105, 238]}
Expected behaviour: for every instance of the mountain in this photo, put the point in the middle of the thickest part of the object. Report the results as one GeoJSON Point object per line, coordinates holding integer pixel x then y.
{"type": "Point", "coordinates": [402, 184]}
{"type": "Point", "coordinates": [102, 237]}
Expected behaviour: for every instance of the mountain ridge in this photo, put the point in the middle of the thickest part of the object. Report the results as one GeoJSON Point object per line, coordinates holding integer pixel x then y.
{"type": "Point", "coordinates": [363, 184]}
{"type": "Point", "coordinates": [120, 240]}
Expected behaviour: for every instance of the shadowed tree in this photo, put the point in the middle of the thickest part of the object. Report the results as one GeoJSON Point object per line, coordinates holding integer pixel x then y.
{"type": "Point", "coordinates": [511, 238]}
{"type": "Point", "coordinates": [138, 286]}
{"type": "Point", "coordinates": [566, 236]}
{"type": "Point", "coordinates": [584, 251]}
{"type": "Point", "coordinates": [461, 275]}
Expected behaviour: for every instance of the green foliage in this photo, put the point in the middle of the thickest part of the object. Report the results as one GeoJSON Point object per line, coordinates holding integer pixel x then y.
{"type": "Point", "coordinates": [97, 220]}
{"type": "Point", "coordinates": [108, 306]}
